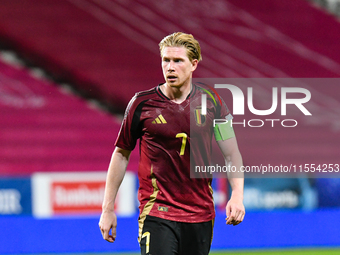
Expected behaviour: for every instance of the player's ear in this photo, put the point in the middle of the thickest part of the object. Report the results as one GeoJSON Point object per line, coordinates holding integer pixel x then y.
{"type": "Point", "coordinates": [194, 64]}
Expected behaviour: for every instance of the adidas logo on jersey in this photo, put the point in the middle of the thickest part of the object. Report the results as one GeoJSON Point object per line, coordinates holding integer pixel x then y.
{"type": "Point", "coordinates": [159, 120]}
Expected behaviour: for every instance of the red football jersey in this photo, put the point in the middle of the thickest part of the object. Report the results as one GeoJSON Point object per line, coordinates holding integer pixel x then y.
{"type": "Point", "coordinates": [173, 138]}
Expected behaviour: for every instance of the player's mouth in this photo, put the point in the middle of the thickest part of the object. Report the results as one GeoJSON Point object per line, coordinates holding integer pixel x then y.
{"type": "Point", "coordinates": [171, 78]}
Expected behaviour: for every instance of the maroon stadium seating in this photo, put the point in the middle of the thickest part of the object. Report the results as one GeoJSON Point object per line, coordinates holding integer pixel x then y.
{"type": "Point", "coordinates": [108, 48]}
{"type": "Point", "coordinates": [43, 129]}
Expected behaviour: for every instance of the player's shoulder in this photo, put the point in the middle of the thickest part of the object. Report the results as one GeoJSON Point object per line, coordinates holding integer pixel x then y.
{"type": "Point", "coordinates": [205, 88]}
{"type": "Point", "coordinates": [140, 97]}
{"type": "Point", "coordinates": [212, 94]}
{"type": "Point", "coordinates": [146, 93]}
{"type": "Point", "coordinates": [143, 95]}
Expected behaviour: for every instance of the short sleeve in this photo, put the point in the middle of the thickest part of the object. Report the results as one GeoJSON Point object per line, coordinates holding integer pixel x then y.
{"type": "Point", "coordinates": [130, 129]}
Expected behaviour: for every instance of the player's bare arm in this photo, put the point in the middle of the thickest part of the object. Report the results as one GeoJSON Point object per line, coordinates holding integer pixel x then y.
{"type": "Point", "coordinates": [115, 175]}
{"type": "Point", "coordinates": [235, 210]}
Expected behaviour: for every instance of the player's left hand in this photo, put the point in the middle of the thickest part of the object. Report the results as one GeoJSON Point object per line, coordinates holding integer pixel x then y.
{"type": "Point", "coordinates": [235, 211]}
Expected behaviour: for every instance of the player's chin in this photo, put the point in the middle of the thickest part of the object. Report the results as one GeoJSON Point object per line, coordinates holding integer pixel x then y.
{"type": "Point", "coordinates": [176, 85]}
{"type": "Point", "coordinates": [173, 83]}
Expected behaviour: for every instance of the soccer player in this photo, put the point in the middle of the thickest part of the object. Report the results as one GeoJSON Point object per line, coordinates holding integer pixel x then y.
{"type": "Point", "coordinates": [176, 210]}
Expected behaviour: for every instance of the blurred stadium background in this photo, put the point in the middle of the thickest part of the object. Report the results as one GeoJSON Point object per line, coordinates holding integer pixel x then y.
{"type": "Point", "coordinates": [67, 71]}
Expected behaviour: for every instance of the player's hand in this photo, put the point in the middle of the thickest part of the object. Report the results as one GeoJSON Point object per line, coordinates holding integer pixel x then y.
{"type": "Point", "coordinates": [235, 211]}
{"type": "Point", "coordinates": [107, 222]}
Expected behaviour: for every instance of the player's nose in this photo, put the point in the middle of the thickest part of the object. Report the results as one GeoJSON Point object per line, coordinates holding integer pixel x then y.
{"type": "Point", "coordinates": [171, 66]}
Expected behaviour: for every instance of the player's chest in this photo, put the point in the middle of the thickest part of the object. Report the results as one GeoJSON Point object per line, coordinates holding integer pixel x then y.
{"type": "Point", "coordinates": [170, 119]}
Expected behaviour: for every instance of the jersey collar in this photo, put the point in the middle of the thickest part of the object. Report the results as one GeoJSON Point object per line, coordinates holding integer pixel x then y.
{"type": "Point", "coordinates": [161, 94]}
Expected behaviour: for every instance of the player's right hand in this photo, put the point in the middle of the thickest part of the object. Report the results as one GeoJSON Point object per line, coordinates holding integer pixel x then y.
{"type": "Point", "coordinates": [107, 223]}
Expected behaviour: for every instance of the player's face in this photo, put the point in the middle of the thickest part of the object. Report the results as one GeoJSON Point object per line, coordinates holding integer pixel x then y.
{"type": "Point", "coordinates": [177, 68]}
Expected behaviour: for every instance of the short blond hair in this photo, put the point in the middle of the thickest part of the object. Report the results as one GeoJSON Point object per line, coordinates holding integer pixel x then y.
{"type": "Point", "coordinates": [179, 39]}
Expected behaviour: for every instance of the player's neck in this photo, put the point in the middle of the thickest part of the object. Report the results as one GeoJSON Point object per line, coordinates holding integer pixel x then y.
{"type": "Point", "coordinates": [176, 94]}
